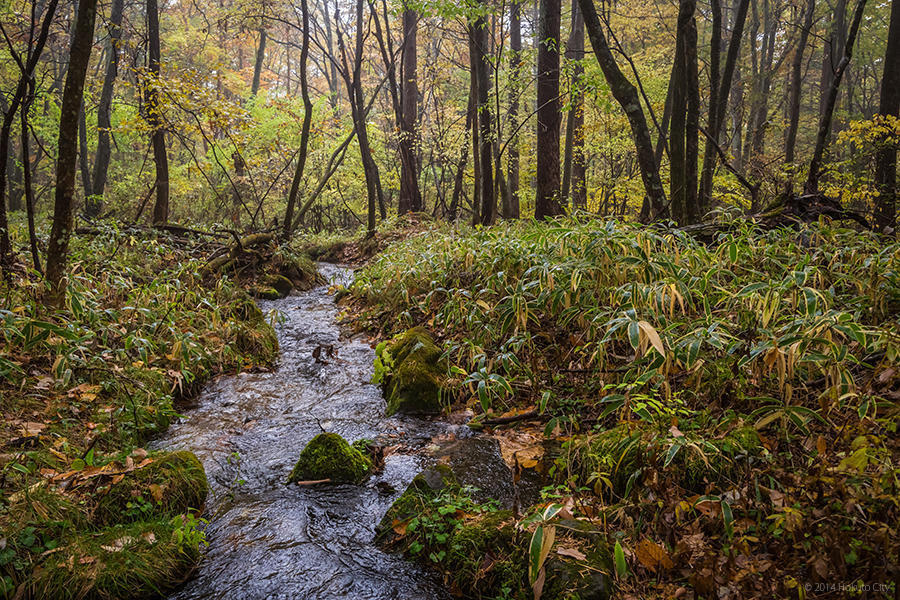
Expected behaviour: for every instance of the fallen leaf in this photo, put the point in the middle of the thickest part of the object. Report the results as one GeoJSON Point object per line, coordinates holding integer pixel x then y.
{"type": "Point", "coordinates": [157, 492]}
{"type": "Point", "coordinates": [399, 526]}
{"type": "Point", "coordinates": [31, 428]}
{"type": "Point", "coordinates": [652, 555]}
{"type": "Point", "coordinates": [571, 553]}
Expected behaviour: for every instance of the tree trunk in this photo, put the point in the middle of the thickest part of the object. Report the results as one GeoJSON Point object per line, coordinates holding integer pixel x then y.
{"type": "Point", "coordinates": [104, 108]}
{"type": "Point", "coordinates": [488, 203]}
{"type": "Point", "coordinates": [410, 197]}
{"type": "Point", "coordinates": [832, 51]}
{"type": "Point", "coordinates": [67, 155]}
{"type": "Point", "coordinates": [547, 201]}
{"type": "Point", "coordinates": [463, 157]}
{"type": "Point", "coordinates": [790, 140]}
{"type": "Point", "coordinates": [683, 133]}
{"type": "Point", "coordinates": [288, 225]}
{"type": "Point", "coordinates": [29, 191]}
{"type": "Point", "coordinates": [27, 69]}
{"type": "Point", "coordinates": [886, 159]}
{"type": "Point", "coordinates": [154, 118]}
{"type": "Point", "coordinates": [84, 164]}
{"type": "Point", "coordinates": [815, 165]}
{"type": "Point", "coordinates": [626, 95]}
{"type": "Point", "coordinates": [511, 211]}
{"type": "Point", "coordinates": [260, 59]}
{"type": "Point", "coordinates": [573, 169]}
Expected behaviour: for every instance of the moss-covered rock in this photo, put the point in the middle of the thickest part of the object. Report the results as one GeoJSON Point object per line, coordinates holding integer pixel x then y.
{"type": "Point", "coordinates": [174, 483]}
{"type": "Point", "coordinates": [136, 561]}
{"type": "Point", "coordinates": [281, 284]}
{"type": "Point", "coordinates": [300, 271]}
{"type": "Point", "coordinates": [265, 293]}
{"type": "Point", "coordinates": [329, 456]}
{"type": "Point", "coordinates": [413, 384]}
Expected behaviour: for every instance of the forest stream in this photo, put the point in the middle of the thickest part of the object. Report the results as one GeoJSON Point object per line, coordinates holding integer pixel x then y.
{"type": "Point", "coordinates": [268, 539]}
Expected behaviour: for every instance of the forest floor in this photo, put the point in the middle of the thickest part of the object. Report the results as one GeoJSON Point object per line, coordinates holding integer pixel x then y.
{"type": "Point", "coordinates": [709, 420]}
{"type": "Point", "coordinates": [85, 511]}
{"type": "Point", "coordinates": [719, 418]}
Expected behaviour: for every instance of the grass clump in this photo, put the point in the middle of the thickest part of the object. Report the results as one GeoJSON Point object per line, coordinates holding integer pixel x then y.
{"type": "Point", "coordinates": [329, 456]}
{"type": "Point", "coordinates": [172, 484]}
{"type": "Point", "coordinates": [139, 560]}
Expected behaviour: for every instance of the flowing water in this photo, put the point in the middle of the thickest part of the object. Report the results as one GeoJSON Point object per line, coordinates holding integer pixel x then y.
{"type": "Point", "coordinates": [271, 540]}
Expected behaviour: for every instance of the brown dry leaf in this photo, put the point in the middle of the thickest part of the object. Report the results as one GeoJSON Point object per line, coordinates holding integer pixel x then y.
{"type": "Point", "coordinates": [149, 537]}
{"type": "Point", "coordinates": [709, 508]}
{"type": "Point", "coordinates": [87, 560]}
{"type": "Point", "coordinates": [821, 445]}
{"type": "Point", "coordinates": [32, 428]}
{"type": "Point", "coordinates": [652, 555]}
{"type": "Point", "coordinates": [157, 492]}
{"type": "Point", "coordinates": [399, 526]}
{"type": "Point", "coordinates": [117, 478]}
{"type": "Point", "coordinates": [139, 454]}
{"type": "Point", "coordinates": [571, 553]}
{"type": "Point", "coordinates": [525, 445]}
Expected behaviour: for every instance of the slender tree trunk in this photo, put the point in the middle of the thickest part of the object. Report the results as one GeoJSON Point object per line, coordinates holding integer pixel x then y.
{"type": "Point", "coordinates": [463, 156]}
{"type": "Point", "coordinates": [67, 155]}
{"type": "Point", "coordinates": [815, 165]}
{"type": "Point", "coordinates": [627, 96]}
{"type": "Point", "coordinates": [84, 164]}
{"type": "Point", "coordinates": [410, 196]}
{"type": "Point", "coordinates": [515, 69]}
{"type": "Point", "coordinates": [832, 51]}
{"type": "Point", "coordinates": [476, 154]}
{"type": "Point", "coordinates": [547, 201]}
{"type": "Point", "coordinates": [29, 191]}
{"type": "Point", "coordinates": [27, 69]}
{"type": "Point", "coordinates": [573, 169]}
{"type": "Point", "coordinates": [886, 159]}
{"type": "Point", "coordinates": [712, 125]}
{"type": "Point", "coordinates": [104, 108]}
{"type": "Point", "coordinates": [683, 133]}
{"type": "Point", "coordinates": [304, 132]}
{"type": "Point", "coordinates": [258, 63]}
{"type": "Point", "coordinates": [353, 80]}
{"type": "Point", "coordinates": [154, 117]}
{"type": "Point", "coordinates": [790, 139]}
{"type": "Point", "coordinates": [487, 202]}
{"type": "Point", "coordinates": [14, 176]}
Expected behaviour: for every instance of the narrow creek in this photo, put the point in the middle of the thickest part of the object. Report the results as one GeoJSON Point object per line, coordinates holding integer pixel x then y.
{"type": "Point", "coordinates": [271, 540]}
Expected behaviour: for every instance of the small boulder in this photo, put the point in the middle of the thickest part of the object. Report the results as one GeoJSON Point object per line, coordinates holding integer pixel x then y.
{"type": "Point", "coordinates": [280, 284]}
{"type": "Point", "coordinates": [413, 384]}
{"type": "Point", "coordinates": [266, 293]}
{"type": "Point", "coordinates": [329, 456]}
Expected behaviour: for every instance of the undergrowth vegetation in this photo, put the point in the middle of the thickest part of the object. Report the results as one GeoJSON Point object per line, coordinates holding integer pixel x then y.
{"type": "Point", "coordinates": [727, 411]}
{"type": "Point", "coordinates": [83, 387]}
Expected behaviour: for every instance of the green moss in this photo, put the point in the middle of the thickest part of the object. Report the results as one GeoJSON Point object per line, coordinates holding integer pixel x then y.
{"type": "Point", "coordinates": [136, 561]}
{"type": "Point", "coordinates": [265, 293]}
{"type": "Point", "coordinates": [243, 308]}
{"type": "Point", "coordinates": [281, 284]}
{"type": "Point", "coordinates": [172, 484]}
{"type": "Point", "coordinates": [489, 539]}
{"type": "Point", "coordinates": [414, 384]}
{"type": "Point", "coordinates": [300, 271]}
{"type": "Point", "coordinates": [329, 456]}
